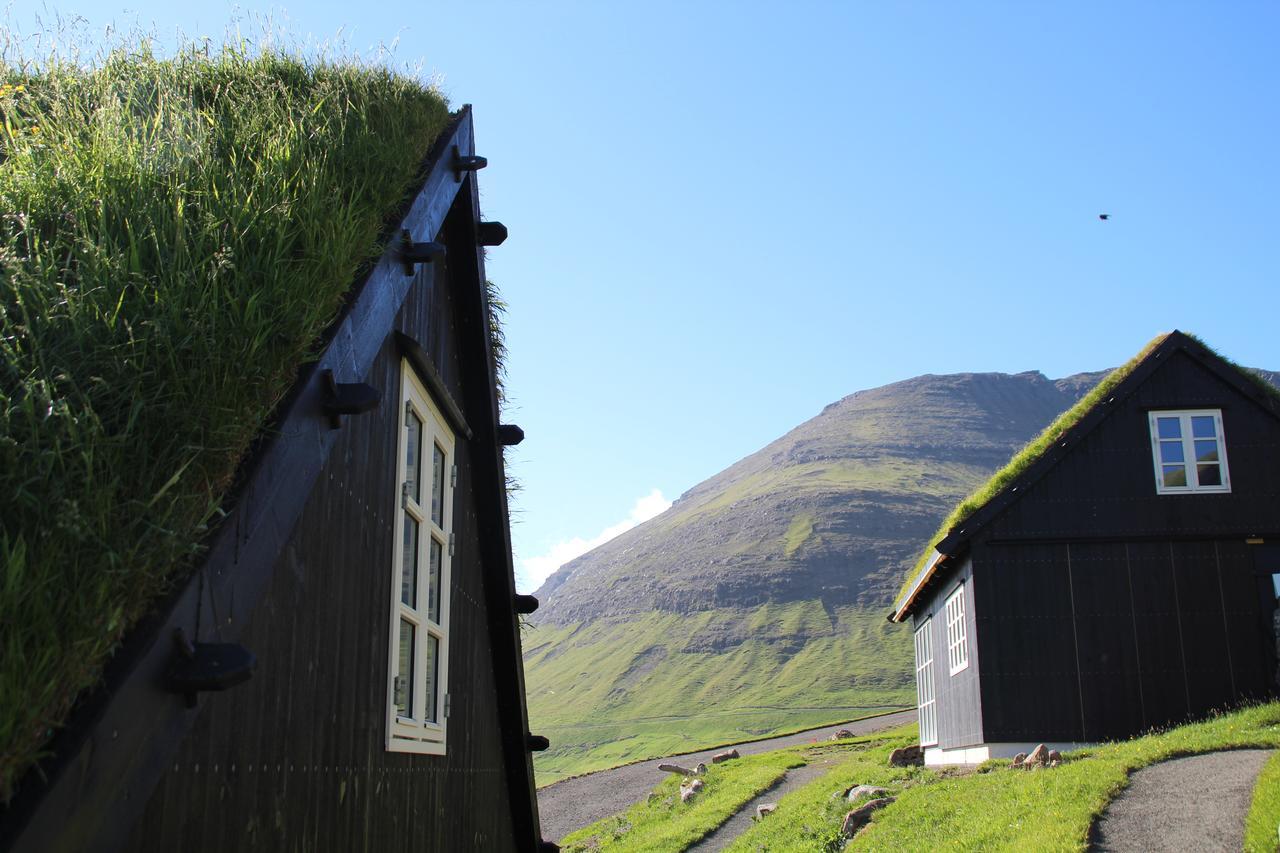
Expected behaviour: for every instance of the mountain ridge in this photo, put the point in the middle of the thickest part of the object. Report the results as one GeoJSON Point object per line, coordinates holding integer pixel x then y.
{"type": "Point", "coordinates": [756, 603]}
{"type": "Point", "coordinates": [827, 469]}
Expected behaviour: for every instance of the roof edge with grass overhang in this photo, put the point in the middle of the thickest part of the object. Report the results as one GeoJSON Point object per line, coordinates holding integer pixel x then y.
{"type": "Point", "coordinates": [183, 239]}
{"type": "Point", "coordinates": [1043, 452]}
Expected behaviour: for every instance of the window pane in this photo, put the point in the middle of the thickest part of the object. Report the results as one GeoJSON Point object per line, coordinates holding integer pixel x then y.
{"type": "Point", "coordinates": [413, 457]}
{"type": "Point", "coordinates": [404, 674]}
{"type": "Point", "coordinates": [1171, 451]}
{"type": "Point", "coordinates": [409, 568]}
{"type": "Point", "coordinates": [433, 585]}
{"type": "Point", "coordinates": [1206, 451]}
{"type": "Point", "coordinates": [1169, 427]}
{"type": "Point", "coordinates": [1210, 475]}
{"type": "Point", "coordinates": [433, 662]}
{"type": "Point", "coordinates": [437, 486]}
{"type": "Point", "coordinates": [1175, 475]}
{"type": "Point", "coordinates": [1202, 426]}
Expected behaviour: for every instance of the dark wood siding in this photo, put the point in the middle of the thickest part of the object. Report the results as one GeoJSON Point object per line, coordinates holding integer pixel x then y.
{"type": "Point", "coordinates": [958, 704]}
{"type": "Point", "coordinates": [1028, 659]}
{"type": "Point", "coordinates": [294, 760]}
{"type": "Point", "coordinates": [1105, 486]}
{"type": "Point", "coordinates": [1100, 641]}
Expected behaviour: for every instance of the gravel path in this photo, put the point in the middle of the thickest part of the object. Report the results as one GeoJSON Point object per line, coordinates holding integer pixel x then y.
{"type": "Point", "coordinates": [725, 834]}
{"type": "Point", "coordinates": [573, 803]}
{"type": "Point", "coordinates": [1197, 803]}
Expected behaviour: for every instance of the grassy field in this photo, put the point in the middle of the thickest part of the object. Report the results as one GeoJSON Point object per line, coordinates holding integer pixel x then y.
{"type": "Point", "coordinates": [664, 823]}
{"type": "Point", "coordinates": [987, 808]}
{"type": "Point", "coordinates": [176, 235]}
{"type": "Point", "coordinates": [616, 691]}
{"type": "Point", "coordinates": [1262, 829]}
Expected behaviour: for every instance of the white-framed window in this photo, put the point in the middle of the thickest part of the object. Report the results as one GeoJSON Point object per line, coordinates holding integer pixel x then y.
{"type": "Point", "coordinates": [1189, 452]}
{"type": "Point", "coordinates": [924, 684]}
{"type": "Point", "coordinates": [418, 666]}
{"type": "Point", "coordinates": [957, 641]}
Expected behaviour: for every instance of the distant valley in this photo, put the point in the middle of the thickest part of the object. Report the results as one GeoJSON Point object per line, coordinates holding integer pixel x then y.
{"type": "Point", "coordinates": [757, 602]}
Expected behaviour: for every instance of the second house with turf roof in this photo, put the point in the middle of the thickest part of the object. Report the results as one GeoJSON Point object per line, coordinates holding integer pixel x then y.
{"type": "Point", "coordinates": [1120, 574]}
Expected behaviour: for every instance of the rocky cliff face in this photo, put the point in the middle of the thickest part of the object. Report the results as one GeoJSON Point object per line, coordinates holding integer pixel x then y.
{"type": "Point", "coordinates": [834, 510]}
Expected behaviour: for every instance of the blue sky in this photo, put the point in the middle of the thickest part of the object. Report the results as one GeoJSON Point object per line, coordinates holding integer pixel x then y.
{"type": "Point", "coordinates": [725, 216]}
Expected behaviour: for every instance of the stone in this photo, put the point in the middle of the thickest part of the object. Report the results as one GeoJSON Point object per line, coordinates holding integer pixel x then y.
{"type": "Point", "coordinates": [678, 770]}
{"type": "Point", "coordinates": [859, 817]}
{"type": "Point", "coordinates": [907, 756]}
{"type": "Point", "coordinates": [841, 734]}
{"type": "Point", "coordinates": [700, 770]}
{"type": "Point", "coordinates": [689, 789]}
{"type": "Point", "coordinates": [1054, 756]}
{"type": "Point", "coordinates": [1038, 757]}
{"type": "Point", "coordinates": [857, 792]}
{"type": "Point", "coordinates": [765, 808]}
{"type": "Point", "coordinates": [1019, 759]}
{"type": "Point", "coordinates": [724, 756]}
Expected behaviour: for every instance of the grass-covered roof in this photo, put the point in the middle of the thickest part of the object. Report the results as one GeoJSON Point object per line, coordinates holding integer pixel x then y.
{"type": "Point", "coordinates": [175, 235]}
{"type": "Point", "coordinates": [1037, 447]}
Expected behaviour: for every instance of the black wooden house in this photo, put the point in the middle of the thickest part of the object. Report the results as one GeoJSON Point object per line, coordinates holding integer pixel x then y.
{"type": "Point", "coordinates": [1124, 577]}
{"type": "Point", "coordinates": [365, 562]}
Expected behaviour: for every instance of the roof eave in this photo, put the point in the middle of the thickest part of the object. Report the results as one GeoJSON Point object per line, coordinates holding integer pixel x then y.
{"type": "Point", "coordinates": [935, 565]}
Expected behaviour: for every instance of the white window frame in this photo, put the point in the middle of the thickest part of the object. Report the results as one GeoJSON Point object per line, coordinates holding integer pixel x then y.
{"type": "Point", "coordinates": [1187, 441]}
{"type": "Point", "coordinates": [925, 704]}
{"type": "Point", "coordinates": [957, 633]}
{"type": "Point", "coordinates": [416, 733]}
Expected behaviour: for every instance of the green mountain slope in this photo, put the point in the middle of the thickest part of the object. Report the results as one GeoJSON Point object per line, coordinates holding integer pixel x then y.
{"type": "Point", "coordinates": [757, 602]}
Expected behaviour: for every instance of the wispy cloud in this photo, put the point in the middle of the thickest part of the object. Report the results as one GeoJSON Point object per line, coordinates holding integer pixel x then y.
{"type": "Point", "coordinates": [532, 571]}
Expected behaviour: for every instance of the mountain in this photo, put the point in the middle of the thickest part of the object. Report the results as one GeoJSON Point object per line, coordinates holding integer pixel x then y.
{"type": "Point", "coordinates": [758, 600]}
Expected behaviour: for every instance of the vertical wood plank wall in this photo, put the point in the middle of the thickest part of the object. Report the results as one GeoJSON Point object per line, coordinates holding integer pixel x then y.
{"type": "Point", "coordinates": [1091, 642]}
{"type": "Point", "coordinates": [294, 760]}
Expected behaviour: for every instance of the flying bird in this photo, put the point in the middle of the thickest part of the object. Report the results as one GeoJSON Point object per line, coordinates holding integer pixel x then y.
{"type": "Point", "coordinates": [1104, 216]}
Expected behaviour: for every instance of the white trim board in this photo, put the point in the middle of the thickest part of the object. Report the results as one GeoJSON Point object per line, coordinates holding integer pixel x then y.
{"type": "Point", "coordinates": [937, 757]}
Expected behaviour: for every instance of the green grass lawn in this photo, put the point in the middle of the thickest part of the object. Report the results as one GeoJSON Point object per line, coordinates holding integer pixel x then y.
{"type": "Point", "coordinates": [988, 808]}
{"type": "Point", "coordinates": [1262, 829]}
{"type": "Point", "coordinates": [176, 235]}
{"type": "Point", "coordinates": [810, 818]}
{"type": "Point", "coordinates": [648, 695]}
{"type": "Point", "coordinates": [662, 822]}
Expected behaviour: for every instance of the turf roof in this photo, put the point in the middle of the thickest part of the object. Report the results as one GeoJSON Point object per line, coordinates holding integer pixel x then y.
{"type": "Point", "coordinates": [1024, 458]}
{"type": "Point", "coordinates": [177, 234]}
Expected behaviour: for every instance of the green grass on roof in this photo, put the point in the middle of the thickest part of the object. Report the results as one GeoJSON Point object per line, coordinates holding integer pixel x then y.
{"type": "Point", "coordinates": [1041, 443]}
{"type": "Point", "coordinates": [175, 234]}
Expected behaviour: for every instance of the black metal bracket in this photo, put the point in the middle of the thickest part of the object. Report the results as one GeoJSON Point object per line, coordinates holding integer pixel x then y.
{"type": "Point", "coordinates": [347, 398]}
{"type": "Point", "coordinates": [509, 435]}
{"type": "Point", "coordinates": [536, 743]}
{"type": "Point", "coordinates": [469, 163]}
{"type": "Point", "coordinates": [200, 667]}
{"type": "Point", "coordinates": [412, 254]}
{"type": "Point", "coordinates": [525, 604]}
{"type": "Point", "coordinates": [492, 233]}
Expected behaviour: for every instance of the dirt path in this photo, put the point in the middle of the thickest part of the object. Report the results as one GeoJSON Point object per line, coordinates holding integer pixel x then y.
{"type": "Point", "coordinates": [727, 832]}
{"type": "Point", "coordinates": [573, 803]}
{"type": "Point", "coordinates": [1196, 803]}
